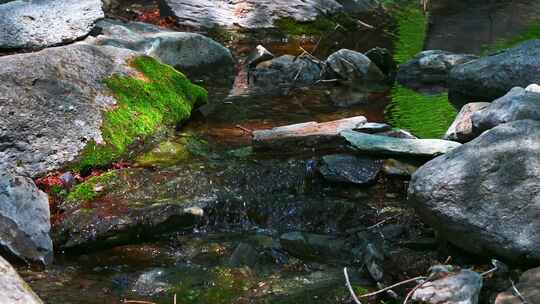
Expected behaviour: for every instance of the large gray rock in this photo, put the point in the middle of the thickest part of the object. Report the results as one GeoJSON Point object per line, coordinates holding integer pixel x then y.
{"type": "Point", "coordinates": [44, 23]}
{"type": "Point", "coordinates": [24, 220]}
{"type": "Point", "coordinates": [52, 104]}
{"type": "Point", "coordinates": [430, 68]}
{"type": "Point", "coordinates": [461, 129]}
{"type": "Point", "coordinates": [354, 67]}
{"type": "Point", "coordinates": [484, 196]}
{"type": "Point", "coordinates": [462, 287]}
{"type": "Point", "coordinates": [493, 76]}
{"type": "Point", "coordinates": [194, 54]}
{"type": "Point", "coordinates": [386, 145]}
{"type": "Point", "coordinates": [518, 104]}
{"type": "Point", "coordinates": [13, 289]}
{"type": "Point", "coordinates": [246, 13]}
{"type": "Point", "coordinates": [528, 286]}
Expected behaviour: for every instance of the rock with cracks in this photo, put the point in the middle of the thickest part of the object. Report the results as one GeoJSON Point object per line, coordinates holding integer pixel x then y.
{"type": "Point", "coordinates": [461, 129]}
{"type": "Point", "coordinates": [454, 288]}
{"type": "Point", "coordinates": [24, 220]}
{"type": "Point", "coordinates": [485, 195]}
{"type": "Point", "coordinates": [43, 23]}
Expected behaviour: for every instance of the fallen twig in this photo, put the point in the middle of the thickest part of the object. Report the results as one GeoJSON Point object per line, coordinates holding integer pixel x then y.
{"type": "Point", "coordinates": [348, 282]}
{"type": "Point", "coordinates": [244, 129]}
{"type": "Point", "coordinates": [393, 286]}
{"type": "Point", "coordinates": [520, 296]}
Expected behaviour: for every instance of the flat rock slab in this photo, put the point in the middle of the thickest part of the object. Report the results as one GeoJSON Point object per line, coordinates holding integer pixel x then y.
{"type": "Point", "coordinates": [385, 145]}
{"type": "Point", "coordinates": [246, 13]}
{"type": "Point", "coordinates": [43, 23]}
{"type": "Point", "coordinates": [13, 289]}
{"type": "Point", "coordinates": [305, 136]}
{"type": "Point", "coordinates": [484, 196]}
{"type": "Point", "coordinates": [343, 168]}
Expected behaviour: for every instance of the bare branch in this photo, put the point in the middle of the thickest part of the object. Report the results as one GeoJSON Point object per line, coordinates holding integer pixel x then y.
{"type": "Point", "coordinates": [520, 296]}
{"type": "Point", "coordinates": [353, 294]}
{"type": "Point", "coordinates": [393, 286]}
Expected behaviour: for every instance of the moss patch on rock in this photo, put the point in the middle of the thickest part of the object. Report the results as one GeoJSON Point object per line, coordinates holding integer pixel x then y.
{"type": "Point", "coordinates": [92, 188]}
{"type": "Point", "coordinates": [427, 116]}
{"type": "Point", "coordinates": [160, 96]}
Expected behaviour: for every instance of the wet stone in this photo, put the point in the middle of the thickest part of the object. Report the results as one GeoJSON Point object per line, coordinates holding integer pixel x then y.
{"type": "Point", "coordinates": [343, 168]}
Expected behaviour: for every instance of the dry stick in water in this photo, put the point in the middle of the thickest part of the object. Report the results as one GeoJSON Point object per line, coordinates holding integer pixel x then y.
{"type": "Point", "coordinates": [353, 294]}
{"type": "Point", "coordinates": [520, 296]}
{"type": "Point", "coordinates": [393, 286]}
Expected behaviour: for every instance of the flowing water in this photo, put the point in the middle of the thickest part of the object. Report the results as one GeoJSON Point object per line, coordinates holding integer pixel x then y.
{"type": "Point", "coordinates": [237, 256]}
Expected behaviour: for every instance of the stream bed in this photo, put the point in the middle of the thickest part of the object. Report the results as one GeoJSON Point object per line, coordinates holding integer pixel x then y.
{"type": "Point", "coordinates": [279, 234]}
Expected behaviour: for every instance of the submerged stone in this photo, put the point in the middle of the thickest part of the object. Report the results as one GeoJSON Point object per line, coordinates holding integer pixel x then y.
{"type": "Point", "coordinates": [343, 168]}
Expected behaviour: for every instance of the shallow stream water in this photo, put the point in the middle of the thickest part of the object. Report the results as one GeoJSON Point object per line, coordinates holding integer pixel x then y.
{"type": "Point", "coordinates": [202, 266]}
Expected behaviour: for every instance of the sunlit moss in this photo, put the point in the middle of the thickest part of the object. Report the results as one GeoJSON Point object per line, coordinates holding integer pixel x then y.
{"type": "Point", "coordinates": [427, 116]}
{"type": "Point", "coordinates": [160, 96]}
{"type": "Point", "coordinates": [411, 32]}
{"type": "Point", "coordinates": [88, 190]}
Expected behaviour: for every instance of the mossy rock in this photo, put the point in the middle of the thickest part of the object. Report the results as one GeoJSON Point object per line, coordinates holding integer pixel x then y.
{"type": "Point", "coordinates": [159, 96]}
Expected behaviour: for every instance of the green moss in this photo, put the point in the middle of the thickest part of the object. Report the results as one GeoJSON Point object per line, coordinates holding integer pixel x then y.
{"type": "Point", "coordinates": [225, 287]}
{"type": "Point", "coordinates": [319, 26]}
{"type": "Point", "coordinates": [87, 190]}
{"type": "Point", "coordinates": [427, 116]}
{"type": "Point", "coordinates": [161, 96]}
{"type": "Point", "coordinates": [412, 31]}
{"type": "Point", "coordinates": [531, 32]}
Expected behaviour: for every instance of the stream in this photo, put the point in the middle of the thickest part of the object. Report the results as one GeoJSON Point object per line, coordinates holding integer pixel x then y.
{"type": "Point", "coordinates": [243, 252]}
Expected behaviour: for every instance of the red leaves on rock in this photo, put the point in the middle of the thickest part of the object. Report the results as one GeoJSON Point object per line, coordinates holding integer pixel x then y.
{"type": "Point", "coordinates": [154, 16]}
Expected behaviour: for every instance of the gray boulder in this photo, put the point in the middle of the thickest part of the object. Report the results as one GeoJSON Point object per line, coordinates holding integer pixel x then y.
{"type": "Point", "coordinates": [249, 14]}
{"type": "Point", "coordinates": [44, 23]}
{"type": "Point", "coordinates": [343, 168]}
{"type": "Point", "coordinates": [13, 289]}
{"type": "Point", "coordinates": [24, 220]}
{"type": "Point", "coordinates": [518, 104]}
{"type": "Point", "coordinates": [194, 54]}
{"type": "Point", "coordinates": [461, 129]}
{"type": "Point", "coordinates": [386, 145]}
{"type": "Point", "coordinates": [279, 75]}
{"type": "Point", "coordinates": [484, 196]}
{"type": "Point", "coordinates": [462, 287]}
{"type": "Point", "coordinates": [430, 68]}
{"type": "Point", "coordinates": [355, 68]}
{"type": "Point", "coordinates": [528, 286]}
{"type": "Point", "coordinates": [493, 76]}
{"type": "Point", "coordinates": [52, 104]}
